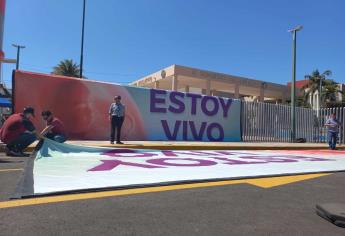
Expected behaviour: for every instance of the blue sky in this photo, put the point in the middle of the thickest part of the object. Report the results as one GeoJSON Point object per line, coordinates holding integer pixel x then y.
{"type": "Point", "coordinates": [126, 40]}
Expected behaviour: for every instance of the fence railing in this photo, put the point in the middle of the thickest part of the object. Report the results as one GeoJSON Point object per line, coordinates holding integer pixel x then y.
{"type": "Point", "coordinates": [272, 123]}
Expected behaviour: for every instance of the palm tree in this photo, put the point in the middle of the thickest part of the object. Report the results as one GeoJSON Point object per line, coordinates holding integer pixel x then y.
{"type": "Point", "coordinates": [316, 82]}
{"type": "Point", "coordinates": [330, 91]}
{"type": "Point", "coordinates": [67, 68]}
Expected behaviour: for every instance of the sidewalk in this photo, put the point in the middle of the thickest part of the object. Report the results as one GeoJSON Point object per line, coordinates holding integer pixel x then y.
{"type": "Point", "coordinates": [177, 145]}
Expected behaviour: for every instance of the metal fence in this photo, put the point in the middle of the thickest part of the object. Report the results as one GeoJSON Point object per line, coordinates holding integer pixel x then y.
{"type": "Point", "coordinates": [272, 123]}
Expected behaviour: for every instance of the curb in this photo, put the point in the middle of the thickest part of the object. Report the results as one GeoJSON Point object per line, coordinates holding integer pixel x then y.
{"type": "Point", "coordinates": [208, 147]}
{"type": "Point", "coordinates": [199, 147]}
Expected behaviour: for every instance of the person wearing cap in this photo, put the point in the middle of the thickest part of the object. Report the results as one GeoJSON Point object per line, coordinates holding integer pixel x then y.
{"type": "Point", "coordinates": [333, 129]}
{"type": "Point", "coordinates": [18, 132]}
{"type": "Point", "coordinates": [54, 129]}
{"type": "Point", "coordinates": [116, 117]}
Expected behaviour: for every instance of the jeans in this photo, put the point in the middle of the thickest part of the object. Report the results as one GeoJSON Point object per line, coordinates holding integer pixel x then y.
{"type": "Point", "coordinates": [21, 142]}
{"type": "Point", "coordinates": [332, 139]}
{"type": "Point", "coordinates": [116, 124]}
{"type": "Point", "coordinates": [60, 138]}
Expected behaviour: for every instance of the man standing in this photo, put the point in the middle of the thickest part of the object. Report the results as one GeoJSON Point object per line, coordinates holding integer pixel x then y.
{"type": "Point", "coordinates": [116, 117]}
{"type": "Point", "coordinates": [18, 132]}
{"type": "Point", "coordinates": [54, 129]}
{"type": "Point", "coordinates": [333, 127]}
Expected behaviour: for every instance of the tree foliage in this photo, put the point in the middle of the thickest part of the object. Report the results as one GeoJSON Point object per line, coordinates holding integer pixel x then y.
{"type": "Point", "coordinates": [67, 68]}
{"type": "Point", "coordinates": [329, 88]}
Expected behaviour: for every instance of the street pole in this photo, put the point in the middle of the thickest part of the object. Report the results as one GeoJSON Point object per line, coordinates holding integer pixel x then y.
{"type": "Point", "coordinates": [293, 83]}
{"type": "Point", "coordinates": [18, 54]}
{"type": "Point", "coordinates": [320, 90]}
{"type": "Point", "coordinates": [82, 41]}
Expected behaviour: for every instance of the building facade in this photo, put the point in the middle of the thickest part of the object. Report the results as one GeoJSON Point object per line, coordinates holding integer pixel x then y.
{"type": "Point", "coordinates": [187, 79]}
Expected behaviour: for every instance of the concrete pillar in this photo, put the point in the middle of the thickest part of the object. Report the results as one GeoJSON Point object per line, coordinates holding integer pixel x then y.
{"type": "Point", "coordinates": [316, 101]}
{"type": "Point", "coordinates": [156, 85]}
{"type": "Point", "coordinates": [237, 91]}
{"type": "Point", "coordinates": [187, 89]}
{"type": "Point", "coordinates": [174, 84]}
{"type": "Point", "coordinates": [208, 87]}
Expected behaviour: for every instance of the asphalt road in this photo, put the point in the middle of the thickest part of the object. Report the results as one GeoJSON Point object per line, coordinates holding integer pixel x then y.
{"type": "Point", "coordinates": [239, 209]}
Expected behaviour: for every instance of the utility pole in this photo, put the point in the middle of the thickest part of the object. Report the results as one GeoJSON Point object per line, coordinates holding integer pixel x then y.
{"type": "Point", "coordinates": [320, 100]}
{"type": "Point", "coordinates": [293, 83]}
{"type": "Point", "coordinates": [18, 53]}
{"type": "Point", "coordinates": [82, 41]}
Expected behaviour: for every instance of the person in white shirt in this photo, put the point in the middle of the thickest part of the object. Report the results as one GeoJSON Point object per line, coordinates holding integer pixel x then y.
{"type": "Point", "coordinates": [117, 113]}
{"type": "Point", "coordinates": [333, 126]}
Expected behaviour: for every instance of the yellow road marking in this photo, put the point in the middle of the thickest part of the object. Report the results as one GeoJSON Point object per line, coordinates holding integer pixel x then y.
{"type": "Point", "coordinates": [261, 182]}
{"type": "Point", "coordinates": [8, 170]}
{"type": "Point", "coordinates": [276, 181]}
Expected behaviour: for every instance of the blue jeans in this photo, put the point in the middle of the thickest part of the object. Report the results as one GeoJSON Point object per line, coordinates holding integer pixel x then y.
{"type": "Point", "coordinates": [116, 124]}
{"type": "Point", "coordinates": [21, 142]}
{"type": "Point", "coordinates": [60, 138]}
{"type": "Point", "coordinates": [332, 139]}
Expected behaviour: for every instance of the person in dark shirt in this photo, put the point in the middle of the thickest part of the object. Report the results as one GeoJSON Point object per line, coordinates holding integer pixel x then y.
{"type": "Point", "coordinates": [18, 132]}
{"type": "Point", "coordinates": [54, 129]}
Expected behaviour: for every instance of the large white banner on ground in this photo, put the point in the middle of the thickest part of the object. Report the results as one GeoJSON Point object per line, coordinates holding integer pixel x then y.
{"type": "Point", "coordinates": [61, 167]}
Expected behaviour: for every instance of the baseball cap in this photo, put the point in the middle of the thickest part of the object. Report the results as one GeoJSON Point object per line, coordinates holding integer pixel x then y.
{"type": "Point", "coordinates": [29, 110]}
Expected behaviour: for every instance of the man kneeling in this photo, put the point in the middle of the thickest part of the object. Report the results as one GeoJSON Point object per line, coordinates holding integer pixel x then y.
{"type": "Point", "coordinates": [54, 127]}
{"type": "Point", "coordinates": [18, 132]}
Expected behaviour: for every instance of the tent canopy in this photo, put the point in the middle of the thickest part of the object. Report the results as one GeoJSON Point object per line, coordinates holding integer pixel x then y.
{"type": "Point", "coordinates": [5, 102]}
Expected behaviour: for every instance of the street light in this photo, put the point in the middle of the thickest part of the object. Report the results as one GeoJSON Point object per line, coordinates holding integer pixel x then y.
{"type": "Point", "coordinates": [320, 100]}
{"type": "Point", "coordinates": [18, 53]}
{"type": "Point", "coordinates": [82, 41]}
{"type": "Point", "coordinates": [293, 83]}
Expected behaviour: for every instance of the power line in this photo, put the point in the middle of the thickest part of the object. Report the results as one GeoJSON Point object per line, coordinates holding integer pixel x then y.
{"type": "Point", "coordinates": [107, 73]}
{"type": "Point", "coordinates": [45, 67]}
{"type": "Point", "coordinates": [38, 67]}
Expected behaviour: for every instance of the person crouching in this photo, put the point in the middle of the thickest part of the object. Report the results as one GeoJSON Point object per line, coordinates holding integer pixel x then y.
{"type": "Point", "coordinates": [54, 129]}
{"type": "Point", "coordinates": [18, 132]}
